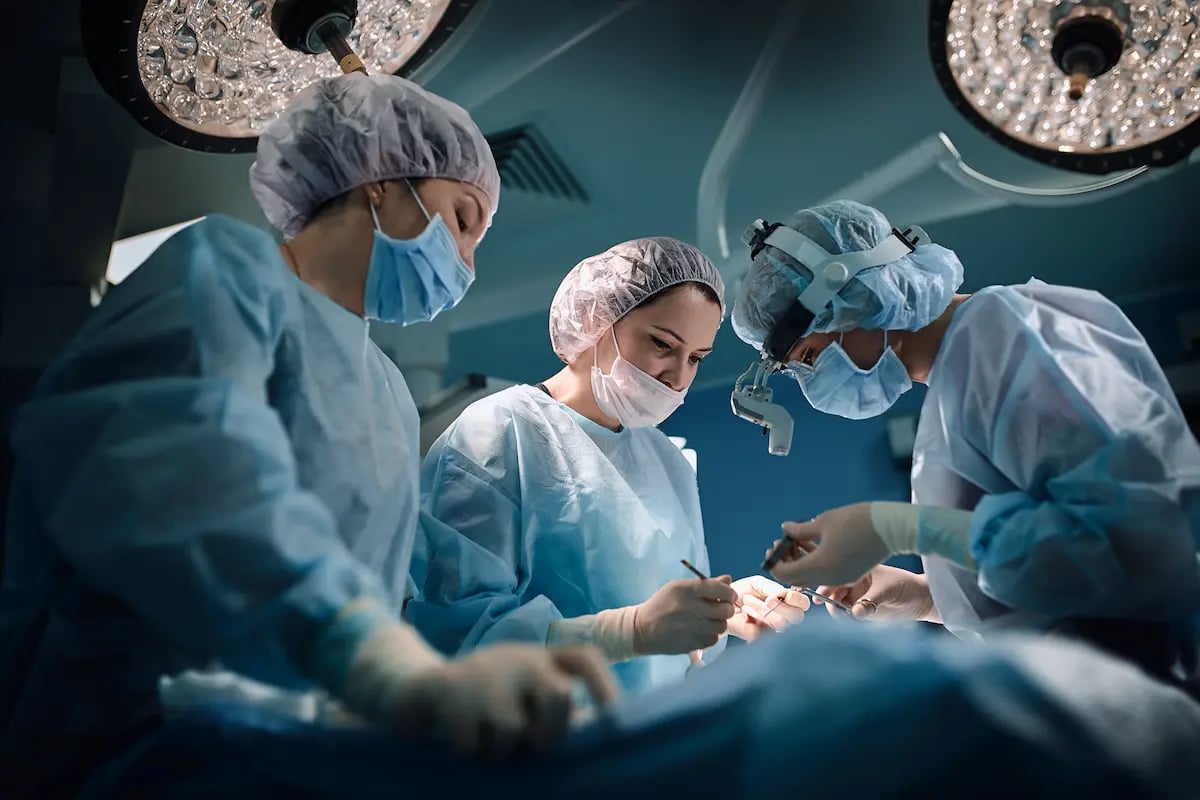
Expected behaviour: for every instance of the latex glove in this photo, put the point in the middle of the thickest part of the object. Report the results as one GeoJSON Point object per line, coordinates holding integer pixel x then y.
{"type": "Point", "coordinates": [847, 546]}
{"type": "Point", "coordinates": [508, 698]}
{"type": "Point", "coordinates": [885, 593]}
{"type": "Point", "coordinates": [494, 702]}
{"type": "Point", "coordinates": [765, 606]}
{"type": "Point", "coordinates": [684, 615]}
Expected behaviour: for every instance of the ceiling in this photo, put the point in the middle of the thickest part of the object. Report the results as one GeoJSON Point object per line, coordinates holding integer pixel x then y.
{"type": "Point", "coordinates": [631, 96]}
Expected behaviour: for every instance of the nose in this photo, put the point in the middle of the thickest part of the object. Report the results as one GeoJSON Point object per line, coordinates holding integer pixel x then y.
{"type": "Point", "coordinates": [672, 376]}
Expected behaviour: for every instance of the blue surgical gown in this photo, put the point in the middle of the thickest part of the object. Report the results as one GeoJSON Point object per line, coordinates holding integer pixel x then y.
{"type": "Point", "coordinates": [219, 462]}
{"type": "Point", "coordinates": [1048, 416]}
{"type": "Point", "coordinates": [534, 513]}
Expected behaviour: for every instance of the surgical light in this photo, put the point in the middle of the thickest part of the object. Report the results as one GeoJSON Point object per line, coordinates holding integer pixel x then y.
{"type": "Point", "coordinates": [1088, 85]}
{"type": "Point", "coordinates": [210, 74]}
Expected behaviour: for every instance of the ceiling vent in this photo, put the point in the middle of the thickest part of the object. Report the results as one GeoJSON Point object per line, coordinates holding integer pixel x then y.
{"type": "Point", "coordinates": [528, 164]}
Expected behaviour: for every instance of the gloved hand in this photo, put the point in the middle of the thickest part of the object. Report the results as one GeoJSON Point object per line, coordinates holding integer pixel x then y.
{"type": "Point", "coordinates": [885, 593]}
{"type": "Point", "coordinates": [505, 699]}
{"type": "Point", "coordinates": [848, 547]}
{"type": "Point", "coordinates": [765, 606]}
{"type": "Point", "coordinates": [494, 702]}
{"type": "Point", "coordinates": [684, 615]}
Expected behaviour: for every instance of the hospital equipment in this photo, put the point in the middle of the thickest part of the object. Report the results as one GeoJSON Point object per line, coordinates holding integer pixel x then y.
{"type": "Point", "coordinates": [209, 76]}
{"type": "Point", "coordinates": [1093, 86]}
{"type": "Point", "coordinates": [773, 559]}
{"type": "Point", "coordinates": [751, 400]}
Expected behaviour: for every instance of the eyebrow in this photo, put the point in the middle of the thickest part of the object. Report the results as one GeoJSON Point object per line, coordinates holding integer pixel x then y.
{"type": "Point", "coordinates": [680, 339]}
{"type": "Point", "coordinates": [479, 205]}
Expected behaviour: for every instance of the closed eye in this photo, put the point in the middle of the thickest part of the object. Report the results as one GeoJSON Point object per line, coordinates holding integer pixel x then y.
{"type": "Point", "coordinates": [660, 344]}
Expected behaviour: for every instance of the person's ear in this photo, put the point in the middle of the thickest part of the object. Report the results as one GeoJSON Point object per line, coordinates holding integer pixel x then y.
{"type": "Point", "coordinates": [375, 192]}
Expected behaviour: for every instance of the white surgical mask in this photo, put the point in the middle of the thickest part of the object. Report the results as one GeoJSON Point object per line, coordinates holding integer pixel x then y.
{"type": "Point", "coordinates": [630, 396]}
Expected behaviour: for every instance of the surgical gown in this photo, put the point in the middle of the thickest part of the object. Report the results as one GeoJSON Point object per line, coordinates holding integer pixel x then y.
{"type": "Point", "coordinates": [219, 461]}
{"type": "Point", "coordinates": [534, 513]}
{"type": "Point", "coordinates": [1048, 415]}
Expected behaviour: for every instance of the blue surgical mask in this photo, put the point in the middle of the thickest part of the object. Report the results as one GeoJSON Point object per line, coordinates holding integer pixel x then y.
{"type": "Point", "coordinates": [414, 280]}
{"type": "Point", "coordinates": [836, 385]}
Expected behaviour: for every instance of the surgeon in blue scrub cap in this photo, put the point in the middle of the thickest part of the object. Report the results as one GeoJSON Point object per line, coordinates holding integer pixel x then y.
{"type": "Point", "coordinates": [223, 466]}
{"type": "Point", "coordinates": [1054, 476]}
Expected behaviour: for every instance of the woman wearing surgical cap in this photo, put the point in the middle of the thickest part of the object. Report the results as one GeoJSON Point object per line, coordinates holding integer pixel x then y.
{"type": "Point", "coordinates": [1055, 481]}
{"type": "Point", "coordinates": [560, 513]}
{"type": "Point", "coordinates": [223, 466]}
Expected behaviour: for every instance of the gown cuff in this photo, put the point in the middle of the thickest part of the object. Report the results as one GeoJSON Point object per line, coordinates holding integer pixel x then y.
{"type": "Point", "coordinates": [927, 530]}
{"type": "Point", "coordinates": [612, 630]}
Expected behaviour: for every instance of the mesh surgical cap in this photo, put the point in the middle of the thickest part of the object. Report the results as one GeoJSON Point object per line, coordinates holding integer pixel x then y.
{"type": "Point", "coordinates": [603, 288]}
{"type": "Point", "coordinates": [351, 130]}
{"type": "Point", "coordinates": [906, 294]}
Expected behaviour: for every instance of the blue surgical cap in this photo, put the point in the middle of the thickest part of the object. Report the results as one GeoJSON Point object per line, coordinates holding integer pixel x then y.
{"type": "Point", "coordinates": [906, 294]}
{"type": "Point", "coordinates": [351, 130]}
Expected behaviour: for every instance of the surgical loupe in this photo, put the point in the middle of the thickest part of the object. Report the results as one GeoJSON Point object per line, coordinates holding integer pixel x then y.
{"type": "Point", "coordinates": [751, 400]}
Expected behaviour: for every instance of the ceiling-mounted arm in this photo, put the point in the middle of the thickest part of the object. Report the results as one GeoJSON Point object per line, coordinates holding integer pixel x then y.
{"type": "Point", "coordinates": [714, 180]}
{"type": "Point", "coordinates": [952, 163]}
{"type": "Point", "coordinates": [938, 153]}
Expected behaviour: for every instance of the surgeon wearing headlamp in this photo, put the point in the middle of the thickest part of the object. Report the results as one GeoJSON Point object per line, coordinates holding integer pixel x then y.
{"type": "Point", "coordinates": [1054, 476]}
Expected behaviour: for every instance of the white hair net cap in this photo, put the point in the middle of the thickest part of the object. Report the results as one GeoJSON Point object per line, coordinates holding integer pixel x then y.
{"type": "Point", "coordinates": [603, 288]}
{"type": "Point", "coordinates": [906, 294]}
{"type": "Point", "coordinates": [350, 130]}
